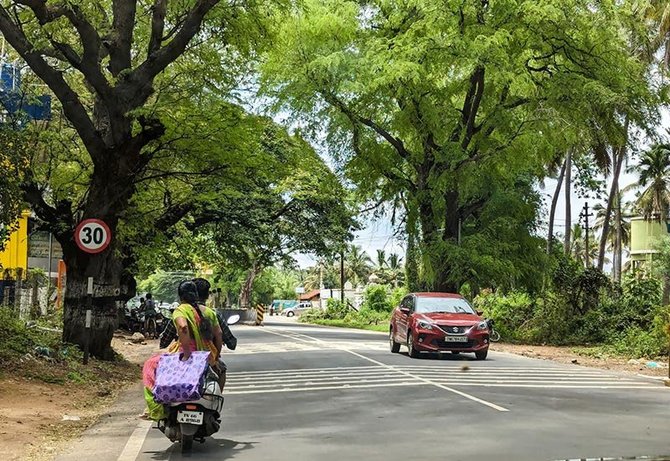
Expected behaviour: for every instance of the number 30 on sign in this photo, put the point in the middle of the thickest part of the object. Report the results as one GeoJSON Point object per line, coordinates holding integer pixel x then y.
{"type": "Point", "coordinates": [92, 236]}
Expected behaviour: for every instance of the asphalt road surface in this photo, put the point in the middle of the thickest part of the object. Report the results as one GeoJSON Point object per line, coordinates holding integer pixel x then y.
{"type": "Point", "coordinates": [301, 393]}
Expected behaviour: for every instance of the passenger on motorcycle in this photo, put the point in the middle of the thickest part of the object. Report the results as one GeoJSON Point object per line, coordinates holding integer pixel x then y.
{"type": "Point", "coordinates": [197, 330]}
{"type": "Point", "coordinates": [228, 338]}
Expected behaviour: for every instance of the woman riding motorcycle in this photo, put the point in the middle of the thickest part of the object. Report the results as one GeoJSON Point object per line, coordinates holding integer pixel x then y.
{"type": "Point", "coordinates": [197, 330]}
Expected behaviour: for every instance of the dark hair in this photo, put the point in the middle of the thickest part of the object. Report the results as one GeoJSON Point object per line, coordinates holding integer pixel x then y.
{"type": "Point", "coordinates": [188, 293]}
{"type": "Point", "coordinates": [148, 295]}
{"type": "Point", "coordinates": [141, 300]}
{"type": "Point", "coordinates": [203, 287]}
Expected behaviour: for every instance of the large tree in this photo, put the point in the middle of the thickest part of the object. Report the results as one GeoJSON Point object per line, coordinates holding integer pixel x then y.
{"type": "Point", "coordinates": [453, 106]}
{"type": "Point", "coordinates": [105, 62]}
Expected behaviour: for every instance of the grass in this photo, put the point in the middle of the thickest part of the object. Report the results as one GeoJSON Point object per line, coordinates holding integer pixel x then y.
{"type": "Point", "coordinates": [41, 355]}
{"type": "Point", "coordinates": [346, 324]}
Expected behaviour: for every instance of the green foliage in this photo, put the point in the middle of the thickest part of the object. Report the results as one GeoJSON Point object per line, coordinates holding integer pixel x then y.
{"type": "Point", "coordinates": [336, 309]}
{"type": "Point", "coordinates": [376, 299]}
{"type": "Point", "coordinates": [450, 117]}
{"type": "Point", "coordinates": [163, 285]}
{"type": "Point", "coordinates": [13, 163]}
{"type": "Point", "coordinates": [511, 312]}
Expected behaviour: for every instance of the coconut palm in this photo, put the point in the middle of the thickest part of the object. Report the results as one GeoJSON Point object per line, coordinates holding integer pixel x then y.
{"type": "Point", "coordinates": [357, 265]}
{"type": "Point", "coordinates": [394, 272]}
{"type": "Point", "coordinates": [324, 273]}
{"type": "Point", "coordinates": [653, 171]}
{"type": "Point", "coordinates": [381, 260]}
{"type": "Point", "coordinates": [618, 233]}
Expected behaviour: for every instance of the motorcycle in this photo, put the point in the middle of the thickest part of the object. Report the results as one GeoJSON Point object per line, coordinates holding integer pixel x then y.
{"type": "Point", "coordinates": [196, 420]}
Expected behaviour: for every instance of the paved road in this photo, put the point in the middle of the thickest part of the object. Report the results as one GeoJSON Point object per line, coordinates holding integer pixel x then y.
{"type": "Point", "coordinates": [299, 392]}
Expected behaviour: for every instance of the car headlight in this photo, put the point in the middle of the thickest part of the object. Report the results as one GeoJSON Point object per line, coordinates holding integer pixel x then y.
{"type": "Point", "coordinates": [425, 325]}
{"type": "Point", "coordinates": [482, 326]}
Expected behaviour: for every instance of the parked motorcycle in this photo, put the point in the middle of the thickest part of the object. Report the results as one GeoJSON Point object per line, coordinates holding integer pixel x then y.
{"type": "Point", "coordinates": [196, 420]}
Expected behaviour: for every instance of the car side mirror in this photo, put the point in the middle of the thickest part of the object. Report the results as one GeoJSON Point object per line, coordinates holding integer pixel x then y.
{"type": "Point", "coordinates": [480, 313]}
{"type": "Point", "coordinates": [233, 319]}
{"type": "Point", "coordinates": [404, 310]}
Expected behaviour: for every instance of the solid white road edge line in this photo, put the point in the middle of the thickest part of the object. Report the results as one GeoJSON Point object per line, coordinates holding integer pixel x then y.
{"type": "Point", "coordinates": [135, 442]}
{"type": "Point", "coordinates": [390, 367]}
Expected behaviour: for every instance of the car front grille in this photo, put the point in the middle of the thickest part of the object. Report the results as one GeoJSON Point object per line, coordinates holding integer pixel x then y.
{"type": "Point", "coordinates": [453, 330]}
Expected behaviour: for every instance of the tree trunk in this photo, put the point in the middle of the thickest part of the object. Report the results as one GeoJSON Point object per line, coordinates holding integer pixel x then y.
{"type": "Point", "coordinates": [568, 210]}
{"type": "Point", "coordinates": [248, 286]}
{"type": "Point", "coordinates": [618, 244]}
{"type": "Point", "coordinates": [112, 283]}
{"type": "Point", "coordinates": [412, 257]}
{"type": "Point", "coordinates": [620, 154]}
{"type": "Point", "coordinates": [554, 203]}
{"type": "Point", "coordinates": [111, 286]}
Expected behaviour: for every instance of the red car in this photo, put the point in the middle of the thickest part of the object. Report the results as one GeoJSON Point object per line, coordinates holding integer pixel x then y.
{"type": "Point", "coordinates": [438, 322]}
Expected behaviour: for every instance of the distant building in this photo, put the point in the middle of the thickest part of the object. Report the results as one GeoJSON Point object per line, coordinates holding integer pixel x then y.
{"type": "Point", "coordinates": [28, 248]}
{"type": "Point", "coordinates": [644, 236]}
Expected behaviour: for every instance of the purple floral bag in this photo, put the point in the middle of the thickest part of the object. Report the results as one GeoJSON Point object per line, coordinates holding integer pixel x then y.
{"type": "Point", "coordinates": [180, 381]}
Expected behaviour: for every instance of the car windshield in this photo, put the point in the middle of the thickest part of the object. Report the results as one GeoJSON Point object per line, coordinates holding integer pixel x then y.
{"type": "Point", "coordinates": [445, 305]}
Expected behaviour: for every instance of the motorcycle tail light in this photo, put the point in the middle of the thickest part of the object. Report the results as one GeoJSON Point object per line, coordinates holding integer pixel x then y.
{"type": "Point", "coordinates": [191, 407]}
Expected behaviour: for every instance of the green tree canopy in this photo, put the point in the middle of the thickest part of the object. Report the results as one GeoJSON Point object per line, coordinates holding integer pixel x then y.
{"type": "Point", "coordinates": [451, 109]}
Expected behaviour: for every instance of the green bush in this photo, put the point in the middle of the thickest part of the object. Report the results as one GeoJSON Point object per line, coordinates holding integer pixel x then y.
{"type": "Point", "coordinates": [636, 342]}
{"type": "Point", "coordinates": [376, 298]}
{"type": "Point", "coordinates": [336, 309]}
{"type": "Point", "coordinates": [311, 315]}
{"type": "Point", "coordinates": [510, 312]}
{"type": "Point", "coordinates": [396, 296]}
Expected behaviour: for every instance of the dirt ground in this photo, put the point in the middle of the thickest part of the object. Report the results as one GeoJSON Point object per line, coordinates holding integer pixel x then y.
{"type": "Point", "coordinates": [588, 357]}
{"type": "Point", "coordinates": [40, 419]}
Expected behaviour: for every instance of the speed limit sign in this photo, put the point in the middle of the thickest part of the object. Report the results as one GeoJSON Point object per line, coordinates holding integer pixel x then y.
{"type": "Point", "coordinates": [92, 236]}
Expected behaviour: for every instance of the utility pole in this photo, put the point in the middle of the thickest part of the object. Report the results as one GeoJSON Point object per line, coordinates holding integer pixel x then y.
{"type": "Point", "coordinates": [585, 216]}
{"type": "Point", "coordinates": [342, 275]}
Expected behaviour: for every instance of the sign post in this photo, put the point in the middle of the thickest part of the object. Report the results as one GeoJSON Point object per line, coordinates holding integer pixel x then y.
{"type": "Point", "coordinates": [92, 236]}
{"type": "Point", "coordinates": [87, 326]}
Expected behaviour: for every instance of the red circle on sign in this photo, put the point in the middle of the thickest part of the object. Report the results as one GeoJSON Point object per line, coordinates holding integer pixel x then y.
{"type": "Point", "coordinates": [92, 224]}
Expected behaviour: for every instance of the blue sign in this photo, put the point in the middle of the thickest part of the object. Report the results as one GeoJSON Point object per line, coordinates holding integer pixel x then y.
{"type": "Point", "coordinates": [15, 101]}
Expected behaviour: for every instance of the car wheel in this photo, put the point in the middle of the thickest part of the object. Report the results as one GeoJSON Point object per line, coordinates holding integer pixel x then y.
{"type": "Point", "coordinates": [410, 347]}
{"type": "Point", "coordinates": [481, 355]}
{"type": "Point", "coordinates": [290, 314]}
{"type": "Point", "coordinates": [395, 347]}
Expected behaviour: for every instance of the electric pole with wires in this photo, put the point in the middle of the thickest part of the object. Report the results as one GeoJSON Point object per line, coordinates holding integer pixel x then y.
{"type": "Point", "coordinates": [584, 216]}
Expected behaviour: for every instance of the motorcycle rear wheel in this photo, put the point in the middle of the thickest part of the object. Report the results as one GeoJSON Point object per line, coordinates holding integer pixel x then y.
{"type": "Point", "coordinates": [186, 443]}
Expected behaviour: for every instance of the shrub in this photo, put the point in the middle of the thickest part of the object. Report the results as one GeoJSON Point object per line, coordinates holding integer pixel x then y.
{"type": "Point", "coordinates": [510, 312]}
{"type": "Point", "coordinates": [311, 315]}
{"type": "Point", "coordinates": [396, 296]}
{"type": "Point", "coordinates": [336, 309]}
{"type": "Point", "coordinates": [636, 342]}
{"type": "Point", "coordinates": [376, 299]}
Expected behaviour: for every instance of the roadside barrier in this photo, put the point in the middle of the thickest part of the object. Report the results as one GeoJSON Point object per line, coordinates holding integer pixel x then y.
{"type": "Point", "coordinates": [260, 313]}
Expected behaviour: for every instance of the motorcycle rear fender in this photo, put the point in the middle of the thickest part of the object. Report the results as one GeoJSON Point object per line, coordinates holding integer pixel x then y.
{"type": "Point", "coordinates": [189, 429]}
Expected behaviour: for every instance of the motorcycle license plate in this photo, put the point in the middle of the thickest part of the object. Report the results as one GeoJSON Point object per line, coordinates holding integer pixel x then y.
{"type": "Point", "coordinates": [456, 339]}
{"type": "Point", "coordinates": [189, 417]}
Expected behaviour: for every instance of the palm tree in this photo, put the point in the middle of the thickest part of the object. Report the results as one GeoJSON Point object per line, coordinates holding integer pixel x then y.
{"type": "Point", "coordinates": [657, 13]}
{"type": "Point", "coordinates": [395, 271]}
{"type": "Point", "coordinates": [357, 264]}
{"type": "Point", "coordinates": [554, 200]}
{"type": "Point", "coordinates": [654, 178]}
{"type": "Point", "coordinates": [381, 260]}
{"type": "Point", "coordinates": [618, 234]}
